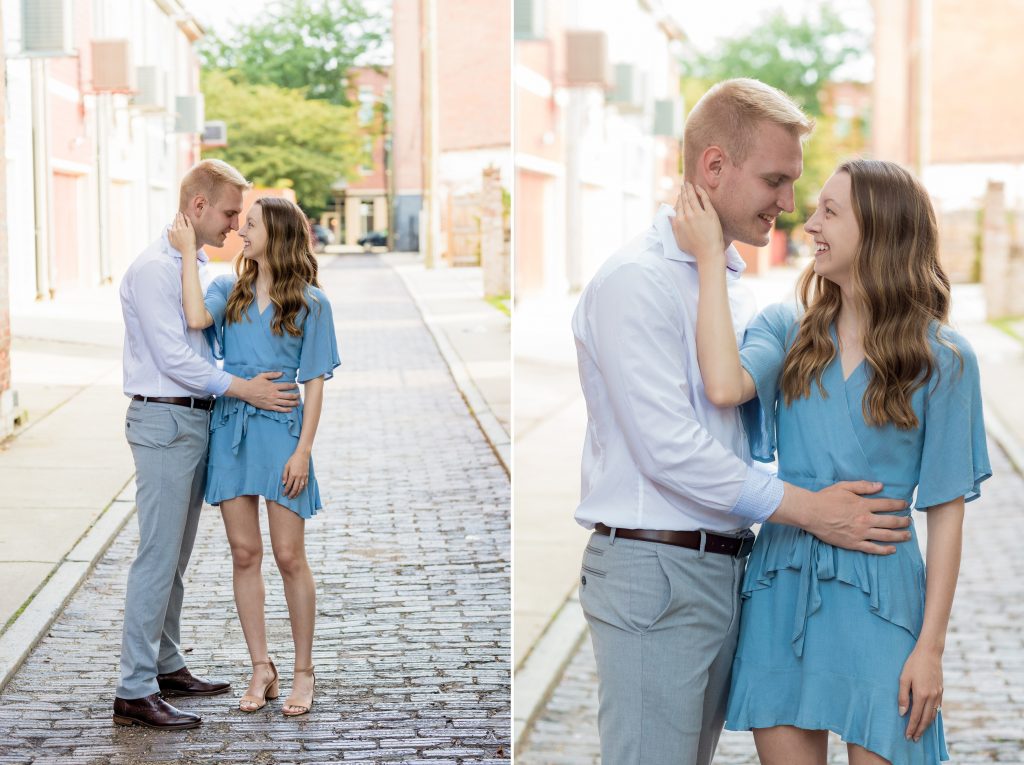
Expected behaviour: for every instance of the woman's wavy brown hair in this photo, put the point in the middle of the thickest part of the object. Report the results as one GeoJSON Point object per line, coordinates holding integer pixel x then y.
{"type": "Point", "coordinates": [897, 276]}
{"type": "Point", "coordinates": [293, 267]}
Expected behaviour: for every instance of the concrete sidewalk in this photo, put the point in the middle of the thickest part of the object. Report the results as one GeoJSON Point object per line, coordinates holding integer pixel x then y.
{"type": "Point", "coordinates": [68, 472]}
{"type": "Point", "coordinates": [549, 430]}
{"type": "Point", "coordinates": [473, 336]}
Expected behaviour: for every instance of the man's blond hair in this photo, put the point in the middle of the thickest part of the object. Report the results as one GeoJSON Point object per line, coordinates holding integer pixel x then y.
{"type": "Point", "coordinates": [208, 177]}
{"type": "Point", "coordinates": [729, 116]}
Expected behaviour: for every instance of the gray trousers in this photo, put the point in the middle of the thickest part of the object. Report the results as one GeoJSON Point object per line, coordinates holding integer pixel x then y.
{"type": "Point", "coordinates": [664, 622]}
{"type": "Point", "coordinates": [169, 447]}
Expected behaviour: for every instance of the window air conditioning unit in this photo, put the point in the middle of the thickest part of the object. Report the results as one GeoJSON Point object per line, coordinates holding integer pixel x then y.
{"type": "Point", "coordinates": [668, 118]}
{"type": "Point", "coordinates": [215, 135]}
{"type": "Point", "coordinates": [586, 59]}
{"type": "Point", "coordinates": [628, 92]}
{"type": "Point", "coordinates": [112, 70]}
{"type": "Point", "coordinates": [529, 19]}
{"type": "Point", "coordinates": [149, 90]}
{"type": "Point", "coordinates": [189, 114]}
{"type": "Point", "coordinates": [46, 28]}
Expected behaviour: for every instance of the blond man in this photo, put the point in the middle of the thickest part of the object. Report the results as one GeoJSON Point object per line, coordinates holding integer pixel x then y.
{"type": "Point", "coordinates": [171, 379]}
{"type": "Point", "coordinates": [668, 484]}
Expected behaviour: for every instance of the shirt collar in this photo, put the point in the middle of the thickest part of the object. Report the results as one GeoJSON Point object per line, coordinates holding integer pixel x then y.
{"type": "Point", "coordinates": [663, 226]}
{"type": "Point", "coordinates": [200, 254]}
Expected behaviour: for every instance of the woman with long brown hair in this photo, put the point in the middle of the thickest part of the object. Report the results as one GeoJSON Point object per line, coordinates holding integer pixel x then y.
{"type": "Point", "coordinates": [864, 378]}
{"type": "Point", "coordinates": [269, 316]}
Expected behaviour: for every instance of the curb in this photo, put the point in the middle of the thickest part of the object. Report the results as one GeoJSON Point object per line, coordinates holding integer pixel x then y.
{"type": "Point", "coordinates": [543, 667]}
{"type": "Point", "coordinates": [499, 440]}
{"type": "Point", "coordinates": [47, 603]}
{"type": "Point", "coordinates": [1001, 433]}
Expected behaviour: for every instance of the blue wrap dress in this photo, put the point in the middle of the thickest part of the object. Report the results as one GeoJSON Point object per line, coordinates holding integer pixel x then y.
{"type": "Point", "coordinates": [825, 631]}
{"type": "Point", "coordinates": [248, 446]}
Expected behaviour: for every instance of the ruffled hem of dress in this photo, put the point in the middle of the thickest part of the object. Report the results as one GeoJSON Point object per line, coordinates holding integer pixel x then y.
{"type": "Point", "coordinates": [969, 493]}
{"type": "Point", "coordinates": [869, 719]}
{"type": "Point", "coordinates": [305, 505]}
{"type": "Point", "coordinates": [894, 584]}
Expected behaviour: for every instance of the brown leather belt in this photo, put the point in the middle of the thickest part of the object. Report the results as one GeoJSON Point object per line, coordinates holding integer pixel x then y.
{"type": "Point", "coordinates": [205, 404]}
{"type": "Point", "coordinates": [737, 547]}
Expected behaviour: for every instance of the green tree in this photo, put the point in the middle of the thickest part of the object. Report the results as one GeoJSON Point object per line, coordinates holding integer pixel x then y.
{"type": "Point", "coordinates": [800, 58]}
{"type": "Point", "coordinates": [278, 137]}
{"type": "Point", "coordinates": [300, 44]}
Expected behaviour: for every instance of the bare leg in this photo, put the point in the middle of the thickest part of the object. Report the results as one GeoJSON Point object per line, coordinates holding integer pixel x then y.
{"type": "Point", "coordinates": [242, 524]}
{"type": "Point", "coordinates": [786, 745]}
{"type": "Point", "coordinates": [287, 537]}
{"type": "Point", "coordinates": [858, 755]}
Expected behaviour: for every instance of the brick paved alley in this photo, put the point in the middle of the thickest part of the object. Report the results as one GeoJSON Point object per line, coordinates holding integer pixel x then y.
{"type": "Point", "coordinates": [983, 664]}
{"type": "Point", "coordinates": [411, 558]}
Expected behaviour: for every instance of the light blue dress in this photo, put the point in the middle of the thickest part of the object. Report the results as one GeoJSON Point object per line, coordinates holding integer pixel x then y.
{"type": "Point", "coordinates": [248, 446]}
{"type": "Point", "coordinates": [825, 631]}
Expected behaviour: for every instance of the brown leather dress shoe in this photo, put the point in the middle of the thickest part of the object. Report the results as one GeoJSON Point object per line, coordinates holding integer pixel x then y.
{"type": "Point", "coordinates": [183, 683]}
{"type": "Point", "coordinates": [153, 712]}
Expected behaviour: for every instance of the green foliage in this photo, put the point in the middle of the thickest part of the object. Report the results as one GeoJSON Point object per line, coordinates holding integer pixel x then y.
{"type": "Point", "coordinates": [301, 44]}
{"type": "Point", "coordinates": [278, 137]}
{"type": "Point", "coordinates": [800, 58]}
{"type": "Point", "coordinates": [796, 57]}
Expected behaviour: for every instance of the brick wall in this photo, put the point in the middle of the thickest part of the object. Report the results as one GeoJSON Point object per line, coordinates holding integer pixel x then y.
{"type": "Point", "coordinates": [969, 57]}
{"type": "Point", "coordinates": [474, 72]}
{"type": "Point", "coordinates": [977, 61]}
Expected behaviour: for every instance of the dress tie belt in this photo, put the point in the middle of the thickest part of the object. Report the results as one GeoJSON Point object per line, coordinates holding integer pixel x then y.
{"type": "Point", "coordinates": [819, 564]}
{"type": "Point", "coordinates": [246, 410]}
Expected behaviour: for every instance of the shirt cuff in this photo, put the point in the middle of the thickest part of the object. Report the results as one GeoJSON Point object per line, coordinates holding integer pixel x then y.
{"type": "Point", "coordinates": [219, 383]}
{"type": "Point", "coordinates": [760, 497]}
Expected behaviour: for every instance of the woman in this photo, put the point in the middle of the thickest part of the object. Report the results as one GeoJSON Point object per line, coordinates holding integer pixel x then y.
{"type": "Point", "coordinates": [867, 379]}
{"type": "Point", "coordinates": [270, 316]}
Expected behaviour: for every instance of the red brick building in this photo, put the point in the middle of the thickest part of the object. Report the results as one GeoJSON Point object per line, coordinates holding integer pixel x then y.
{"type": "Point", "coordinates": [363, 206]}
{"type": "Point", "coordinates": [474, 106]}
{"type": "Point", "coordinates": [946, 103]}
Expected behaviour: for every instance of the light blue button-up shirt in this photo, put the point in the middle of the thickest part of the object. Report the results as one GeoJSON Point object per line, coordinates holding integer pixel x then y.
{"type": "Point", "coordinates": [658, 454]}
{"type": "Point", "coordinates": [162, 356]}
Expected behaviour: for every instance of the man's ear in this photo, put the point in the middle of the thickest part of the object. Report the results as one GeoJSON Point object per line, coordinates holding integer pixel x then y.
{"type": "Point", "coordinates": [197, 205]}
{"type": "Point", "coordinates": [712, 161]}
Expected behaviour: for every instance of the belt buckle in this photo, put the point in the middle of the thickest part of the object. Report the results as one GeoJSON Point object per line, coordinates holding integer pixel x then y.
{"type": "Point", "coordinates": [746, 545]}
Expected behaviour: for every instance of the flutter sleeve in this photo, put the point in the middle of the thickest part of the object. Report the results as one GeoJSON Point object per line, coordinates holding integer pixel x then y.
{"type": "Point", "coordinates": [216, 301]}
{"type": "Point", "coordinates": [319, 354]}
{"type": "Point", "coordinates": [762, 355]}
{"type": "Point", "coordinates": [954, 458]}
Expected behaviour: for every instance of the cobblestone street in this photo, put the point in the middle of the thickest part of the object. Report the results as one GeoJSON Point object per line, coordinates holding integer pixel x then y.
{"type": "Point", "coordinates": [983, 665]}
{"type": "Point", "coordinates": [411, 558]}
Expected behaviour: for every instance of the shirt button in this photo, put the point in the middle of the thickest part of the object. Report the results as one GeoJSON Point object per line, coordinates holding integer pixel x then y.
{"type": "Point", "coordinates": [583, 580]}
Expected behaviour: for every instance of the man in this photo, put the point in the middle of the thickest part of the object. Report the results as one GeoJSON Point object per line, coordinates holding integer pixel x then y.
{"type": "Point", "coordinates": [170, 376]}
{"type": "Point", "coordinates": [667, 483]}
